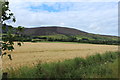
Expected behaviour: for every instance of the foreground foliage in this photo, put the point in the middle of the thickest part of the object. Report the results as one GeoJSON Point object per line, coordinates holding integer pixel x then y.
{"type": "Point", "coordinates": [96, 66]}
{"type": "Point", "coordinates": [8, 39]}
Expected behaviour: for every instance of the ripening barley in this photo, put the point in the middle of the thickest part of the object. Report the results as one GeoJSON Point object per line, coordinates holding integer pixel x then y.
{"type": "Point", "coordinates": [30, 53]}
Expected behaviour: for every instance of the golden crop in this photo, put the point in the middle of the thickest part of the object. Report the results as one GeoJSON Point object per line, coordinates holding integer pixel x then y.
{"type": "Point", "coordinates": [30, 53]}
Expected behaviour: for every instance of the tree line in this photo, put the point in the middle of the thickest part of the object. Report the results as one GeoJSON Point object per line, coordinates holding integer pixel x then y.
{"type": "Point", "coordinates": [68, 39]}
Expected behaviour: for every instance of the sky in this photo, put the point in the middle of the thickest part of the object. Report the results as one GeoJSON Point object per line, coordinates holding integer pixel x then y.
{"type": "Point", "coordinates": [97, 17]}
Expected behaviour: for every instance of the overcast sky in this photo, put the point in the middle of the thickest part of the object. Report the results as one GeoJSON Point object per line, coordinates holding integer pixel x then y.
{"type": "Point", "coordinates": [93, 16]}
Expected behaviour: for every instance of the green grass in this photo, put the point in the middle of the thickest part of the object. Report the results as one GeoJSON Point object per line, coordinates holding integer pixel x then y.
{"type": "Point", "coordinates": [56, 36]}
{"type": "Point", "coordinates": [96, 66]}
{"type": "Point", "coordinates": [61, 42]}
{"type": "Point", "coordinates": [66, 42]}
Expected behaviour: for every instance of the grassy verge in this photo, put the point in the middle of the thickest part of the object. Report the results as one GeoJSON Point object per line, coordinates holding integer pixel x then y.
{"type": "Point", "coordinates": [66, 42]}
{"type": "Point", "coordinates": [96, 66]}
{"type": "Point", "coordinates": [61, 42]}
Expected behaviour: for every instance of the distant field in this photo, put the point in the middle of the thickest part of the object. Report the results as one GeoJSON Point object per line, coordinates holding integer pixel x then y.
{"type": "Point", "coordinates": [30, 53]}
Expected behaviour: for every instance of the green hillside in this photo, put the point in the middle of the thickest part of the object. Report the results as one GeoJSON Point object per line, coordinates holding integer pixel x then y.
{"type": "Point", "coordinates": [63, 34]}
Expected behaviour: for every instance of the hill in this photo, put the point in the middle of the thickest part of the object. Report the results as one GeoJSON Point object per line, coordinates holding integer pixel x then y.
{"type": "Point", "coordinates": [52, 30]}
{"type": "Point", "coordinates": [64, 34]}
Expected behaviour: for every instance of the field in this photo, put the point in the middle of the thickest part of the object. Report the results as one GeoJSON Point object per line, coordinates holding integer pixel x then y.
{"type": "Point", "coordinates": [95, 66]}
{"type": "Point", "coordinates": [30, 53]}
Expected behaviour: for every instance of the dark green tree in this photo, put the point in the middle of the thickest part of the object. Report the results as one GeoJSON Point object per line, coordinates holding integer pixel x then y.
{"type": "Point", "coordinates": [10, 32]}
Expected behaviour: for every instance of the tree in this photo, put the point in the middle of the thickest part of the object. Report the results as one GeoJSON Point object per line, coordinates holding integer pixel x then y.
{"type": "Point", "coordinates": [11, 33]}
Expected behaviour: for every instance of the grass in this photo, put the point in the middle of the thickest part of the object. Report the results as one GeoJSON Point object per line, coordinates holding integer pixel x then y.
{"type": "Point", "coordinates": [57, 36]}
{"type": "Point", "coordinates": [61, 42]}
{"type": "Point", "coordinates": [96, 66]}
{"type": "Point", "coordinates": [67, 42]}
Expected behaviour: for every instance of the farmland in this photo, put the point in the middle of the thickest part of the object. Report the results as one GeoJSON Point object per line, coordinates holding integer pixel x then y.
{"type": "Point", "coordinates": [95, 66]}
{"type": "Point", "coordinates": [30, 53]}
{"type": "Point", "coordinates": [55, 46]}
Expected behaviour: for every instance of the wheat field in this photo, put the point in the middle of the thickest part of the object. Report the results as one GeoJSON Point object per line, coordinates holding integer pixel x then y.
{"type": "Point", "coordinates": [29, 53]}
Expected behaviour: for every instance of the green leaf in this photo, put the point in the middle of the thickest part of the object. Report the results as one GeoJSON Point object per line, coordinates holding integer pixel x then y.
{"type": "Point", "coordinates": [19, 44]}
{"type": "Point", "coordinates": [11, 14]}
{"type": "Point", "coordinates": [14, 20]}
{"type": "Point", "coordinates": [7, 3]}
{"type": "Point", "coordinates": [10, 48]}
{"type": "Point", "coordinates": [9, 55]}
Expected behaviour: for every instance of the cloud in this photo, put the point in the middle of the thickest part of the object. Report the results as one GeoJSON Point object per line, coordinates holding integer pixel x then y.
{"type": "Point", "coordinates": [87, 16]}
{"type": "Point", "coordinates": [64, 1]}
{"type": "Point", "coordinates": [94, 27]}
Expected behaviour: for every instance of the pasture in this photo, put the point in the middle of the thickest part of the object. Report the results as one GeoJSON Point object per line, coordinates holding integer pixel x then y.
{"type": "Point", "coordinates": [29, 53]}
